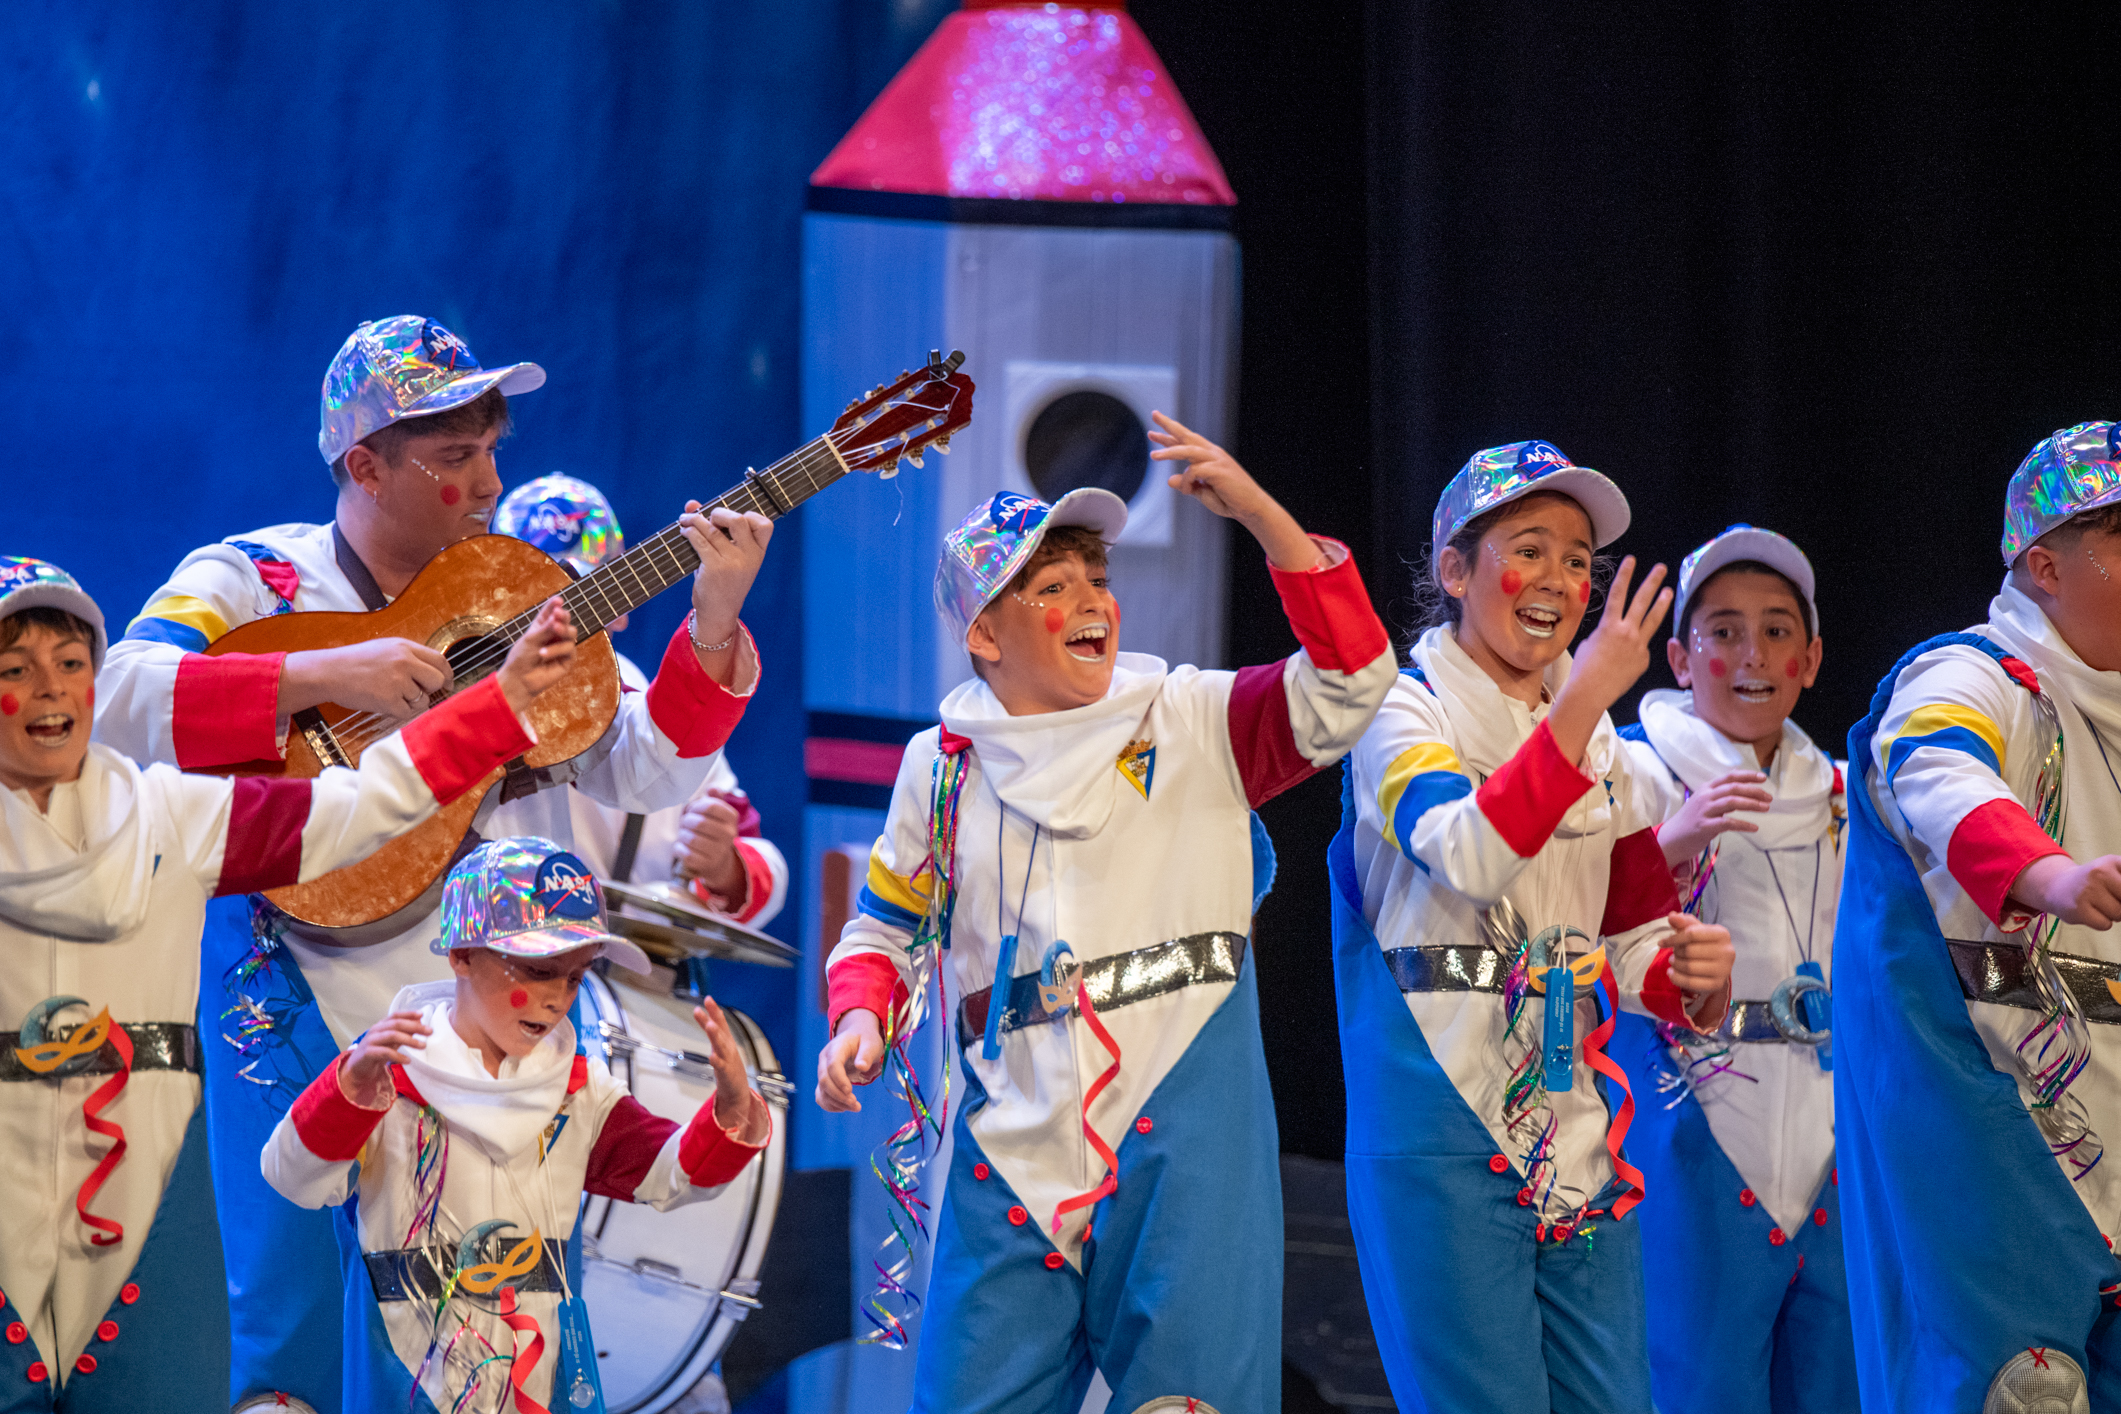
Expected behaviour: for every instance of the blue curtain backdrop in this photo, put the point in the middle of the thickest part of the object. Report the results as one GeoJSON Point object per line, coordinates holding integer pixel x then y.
{"type": "Point", "coordinates": [198, 202]}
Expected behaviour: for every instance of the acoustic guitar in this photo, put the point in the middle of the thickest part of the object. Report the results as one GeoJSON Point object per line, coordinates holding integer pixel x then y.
{"type": "Point", "coordinates": [478, 596]}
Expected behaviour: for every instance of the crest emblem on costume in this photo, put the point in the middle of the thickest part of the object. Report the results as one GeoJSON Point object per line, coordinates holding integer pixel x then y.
{"type": "Point", "coordinates": [565, 888]}
{"type": "Point", "coordinates": [1137, 762]}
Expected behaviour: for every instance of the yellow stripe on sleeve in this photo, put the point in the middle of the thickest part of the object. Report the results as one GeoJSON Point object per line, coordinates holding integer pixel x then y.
{"type": "Point", "coordinates": [1936, 717]}
{"type": "Point", "coordinates": [192, 613]}
{"type": "Point", "coordinates": [1414, 761]}
{"type": "Point", "coordinates": [896, 889]}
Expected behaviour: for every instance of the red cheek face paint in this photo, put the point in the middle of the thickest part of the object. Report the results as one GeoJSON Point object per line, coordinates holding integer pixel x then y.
{"type": "Point", "coordinates": [8, 704]}
{"type": "Point", "coordinates": [451, 495]}
{"type": "Point", "coordinates": [1583, 592]}
{"type": "Point", "coordinates": [519, 999]}
{"type": "Point", "coordinates": [1055, 621]}
{"type": "Point", "coordinates": [1717, 669]}
{"type": "Point", "coordinates": [1792, 670]}
{"type": "Point", "coordinates": [91, 694]}
{"type": "Point", "coordinates": [1512, 581]}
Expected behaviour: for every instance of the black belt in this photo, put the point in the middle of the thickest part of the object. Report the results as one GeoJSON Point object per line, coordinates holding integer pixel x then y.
{"type": "Point", "coordinates": [420, 1273]}
{"type": "Point", "coordinates": [1450, 967]}
{"type": "Point", "coordinates": [1116, 981]}
{"type": "Point", "coordinates": [157, 1045]}
{"type": "Point", "coordinates": [1998, 973]}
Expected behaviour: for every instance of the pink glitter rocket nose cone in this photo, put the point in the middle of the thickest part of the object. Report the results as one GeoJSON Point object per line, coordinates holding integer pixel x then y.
{"type": "Point", "coordinates": [1039, 102]}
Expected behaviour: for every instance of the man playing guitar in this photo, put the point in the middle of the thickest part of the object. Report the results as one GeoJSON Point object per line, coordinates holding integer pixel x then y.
{"type": "Point", "coordinates": [409, 427]}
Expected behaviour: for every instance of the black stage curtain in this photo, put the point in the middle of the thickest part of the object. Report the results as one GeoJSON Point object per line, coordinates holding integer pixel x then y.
{"type": "Point", "coordinates": [1828, 270]}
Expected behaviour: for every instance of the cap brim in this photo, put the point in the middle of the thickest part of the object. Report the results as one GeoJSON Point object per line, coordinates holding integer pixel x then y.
{"type": "Point", "coordinates": [1091, 507]}
{"type": "Point", "coordinates": [1601, 500]}
{"type": "Point", "coordinates": [552, 941]}
{"type": "Point", "coordinates": [1763, 547]}
{"type": "Point", "coordinates": [511, 380]}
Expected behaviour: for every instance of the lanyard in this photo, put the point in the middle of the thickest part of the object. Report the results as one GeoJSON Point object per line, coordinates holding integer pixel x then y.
{"type": "Point", "coordinates": [1005, 950]}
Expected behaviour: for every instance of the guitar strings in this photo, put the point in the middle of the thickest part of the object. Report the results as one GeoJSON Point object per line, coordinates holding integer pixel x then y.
{"type": "Point", "coordinates": [357, 733]}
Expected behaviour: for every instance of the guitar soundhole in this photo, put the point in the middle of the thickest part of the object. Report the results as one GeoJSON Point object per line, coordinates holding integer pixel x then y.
{"type": "Point", "coordinates": [471, 648]}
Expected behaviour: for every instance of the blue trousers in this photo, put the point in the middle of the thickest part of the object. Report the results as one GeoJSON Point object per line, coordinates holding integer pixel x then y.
{"type": "Point", "coordinates": [1180, 1292]}
{"type": "Point", "coordinates": [1738, 1324]}
{"type": "Point", "coordinates": [164, 1346]}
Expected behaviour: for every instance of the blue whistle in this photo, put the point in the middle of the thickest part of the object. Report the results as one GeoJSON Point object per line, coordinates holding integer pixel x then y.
{"type": "Point", "coordinates": [1818, 1010]}
{"type": "Point", "coordinates": [1558, 1038]}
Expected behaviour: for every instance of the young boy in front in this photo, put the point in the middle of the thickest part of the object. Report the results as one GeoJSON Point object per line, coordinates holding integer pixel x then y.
{"type": "Point", "coordinates": [106, 1248]}
{"type": "Point", "coordinates": [1977, 1067]}
{"type": "Point", "coordinates": [1734, 1131]}
{"type": "Point", "coordinates": [1113, 1198]}
{"type": "Point", "coordinates": [461, 1131]}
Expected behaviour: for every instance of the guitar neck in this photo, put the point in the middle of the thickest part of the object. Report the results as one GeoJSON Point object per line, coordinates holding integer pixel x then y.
{"type": "Point", "coordinates": [666, 558]}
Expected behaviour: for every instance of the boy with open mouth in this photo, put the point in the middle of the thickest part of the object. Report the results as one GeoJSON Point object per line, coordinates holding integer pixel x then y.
{"type": "Point", "coordinates": [1078, 834]}
{"type": "Point", "coordinates": [459, 1134]}
{"type": "Point", "coordinates": [1748, 1298]}
{"type": "Point", "coordinates": [106, 868]}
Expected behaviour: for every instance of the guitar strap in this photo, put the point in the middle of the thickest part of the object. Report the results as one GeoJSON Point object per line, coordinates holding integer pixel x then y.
{"type": "Point", "coordinates": [357, 575]}
{"type": "Point", "coordinates": [629, 846]}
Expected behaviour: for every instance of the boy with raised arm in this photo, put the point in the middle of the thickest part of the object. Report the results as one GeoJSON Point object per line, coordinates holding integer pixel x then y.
{"type": "Point", "coordinates": [1977, 1070]}
{"type": "Point", "coordinates": [1114, 1198]}
{"type": "Point", "coordinates": [106, 868]}
{"type": "Point", "coordinates": [409, 426]}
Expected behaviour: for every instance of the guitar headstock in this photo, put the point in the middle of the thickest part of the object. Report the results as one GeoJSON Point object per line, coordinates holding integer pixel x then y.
{"type": "Point", "coordinates": [901, 420]}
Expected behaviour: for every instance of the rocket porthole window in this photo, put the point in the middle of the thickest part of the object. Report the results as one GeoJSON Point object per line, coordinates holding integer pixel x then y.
{"type": "Point", "coordinates": [1086, 438]}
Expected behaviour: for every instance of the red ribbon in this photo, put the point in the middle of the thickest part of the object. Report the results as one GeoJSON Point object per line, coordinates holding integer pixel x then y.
{"type": "Point", "coordinates": [523, 1363]}
{"type": "Point", "coordinates": [1097, 1087]}
{"type": "Point", "coordinates": [1624, 1114]}
{"type": "Point", "coordinates": [108, 1233]}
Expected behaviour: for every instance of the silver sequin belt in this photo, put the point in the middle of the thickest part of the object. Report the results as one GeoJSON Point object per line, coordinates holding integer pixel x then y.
{"type": "Point", "coordinates": [1116, 981]}
{"type": "Point", "coordinates": [1449, 967]}
{"type": "Point", "coordinates": [1997, 972]}
{"type": "Point", "coordinates": [157, 1045]}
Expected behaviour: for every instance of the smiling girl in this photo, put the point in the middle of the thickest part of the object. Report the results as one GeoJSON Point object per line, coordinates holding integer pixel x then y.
{"type": "Point", "coordinates": [1747, 1293]}
{"type": "Point", "coordinates": [1497, 895]}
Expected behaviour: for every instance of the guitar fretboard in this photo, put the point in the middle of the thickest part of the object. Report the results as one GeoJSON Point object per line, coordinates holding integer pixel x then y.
{"type": "Point", "coordinates": [666, 557]}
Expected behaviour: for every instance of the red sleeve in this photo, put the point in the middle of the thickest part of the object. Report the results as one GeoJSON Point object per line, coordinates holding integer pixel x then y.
{"type": "Point", "coordinates": [865, 980]}
{"type": "Point", "coordinates": [264, 845]}
{"type": "Point", "coordinates": [710, 1154]}
{"type": "Point", "coordinates": [1260, 734]}
{"type": "Point", "coordinates": [758, 883]}
{"type": "Point", "coordinates": [689, 707]}
{"type": "Point", "coordinates": [329, 1125]}
{"type": "Point", "coordinates": [1330, 610]}
{"type": "Point", "coordinates": [457, 743]}
{"type": "Point", "coordinates": [226, 709]}
{"type": "Point", "coordinates": [1529, 793]}
{"type": "Point", "coordinates": [1991, 848]}
{"type": "Point", "coordinates": [1661, 998]}
{"type": "Point", "coordinates": [1639, 886]}
{"type": "Point", "coordinates": [625, 1149]}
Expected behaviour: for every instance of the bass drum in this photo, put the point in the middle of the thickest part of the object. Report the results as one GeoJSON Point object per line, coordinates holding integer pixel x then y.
{"type": "Point", "coordinates": [666, 1291]}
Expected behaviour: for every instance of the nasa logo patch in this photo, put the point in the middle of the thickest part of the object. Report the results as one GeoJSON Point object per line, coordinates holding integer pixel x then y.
{"type": "Point", "coordinates": [564, 888]}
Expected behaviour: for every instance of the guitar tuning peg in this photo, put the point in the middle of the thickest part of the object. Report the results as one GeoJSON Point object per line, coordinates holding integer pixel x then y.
{"type": "Point", "coordinates": [852, 404]}
{"type": "Point", "coordinates": [942, 444]}
{"type": "Point", "coordinates": [915, 459]}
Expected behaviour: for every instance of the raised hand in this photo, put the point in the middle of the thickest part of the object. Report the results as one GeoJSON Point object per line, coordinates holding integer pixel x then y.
{"type": "Point", "coordinates": [854, 1056]}
{"type": "Point", "coordinates": [1213, 477]}
{"type": "Point", "coordinates": [364, 1076]}
{"type": "Point", "coordinates": [735, 1106]}
{"type": "Point", "coordinates": [731, 547]}
{"type": "Point", "coordinates": [391, 677]}
{"type": "Point", "coordinates": [2085, 894]}
{"type": "Point", "coordinates": [705, 847]}
{"type": "Point", "coordinates": [1616, 653]}
{"type": "Point", "coordinates": [540, 658]}
{"type": "Point", "coordinates": [1707, 814]}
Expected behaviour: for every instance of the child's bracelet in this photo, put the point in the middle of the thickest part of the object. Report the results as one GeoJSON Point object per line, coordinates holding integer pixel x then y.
{"type": "Point", "coordinates": [692, 623]}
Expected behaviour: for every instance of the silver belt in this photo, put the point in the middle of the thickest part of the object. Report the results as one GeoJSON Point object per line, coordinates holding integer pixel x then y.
{"type": "Point", "coordinates": [422, 1273]}
{"type": "Point", "coordinates": [1449, 967]}
{"type": "Point", "coordinates": [1997, 973]}
{"type": "Point", "coordinates": [1116, 981]}
{"type": "Point", "coordinates": [1750, 1022]}
{"type": "Point", "coordinates": [157, 1045]}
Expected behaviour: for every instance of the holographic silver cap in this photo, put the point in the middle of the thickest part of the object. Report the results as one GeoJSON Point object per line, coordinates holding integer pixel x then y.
{"type": "Point", "coordinates": [26, 583]}
{"type": "Point", "coordinates": [566, 518]}
{"type": "Point", "coordinates": [404, 366]}
{"type": "Point", "coordinates": [1738, 543]}
{"type": "Point", "coordinates": [990, 545]}
{"type": "Point", "coordinates": [1495, 476]}
{"type": "Point", "coordinates": [527, 897]}
{"type": "Point", "coordinates": [2065, 474]}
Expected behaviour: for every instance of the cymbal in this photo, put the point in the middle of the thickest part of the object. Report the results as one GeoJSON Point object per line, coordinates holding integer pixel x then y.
{"type": "Point", "coordinates": [670, 925]}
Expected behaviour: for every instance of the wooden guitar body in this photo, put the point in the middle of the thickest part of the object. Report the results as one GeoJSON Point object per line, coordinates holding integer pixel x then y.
{"type": "Point", "coordinates": [470, 589]}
